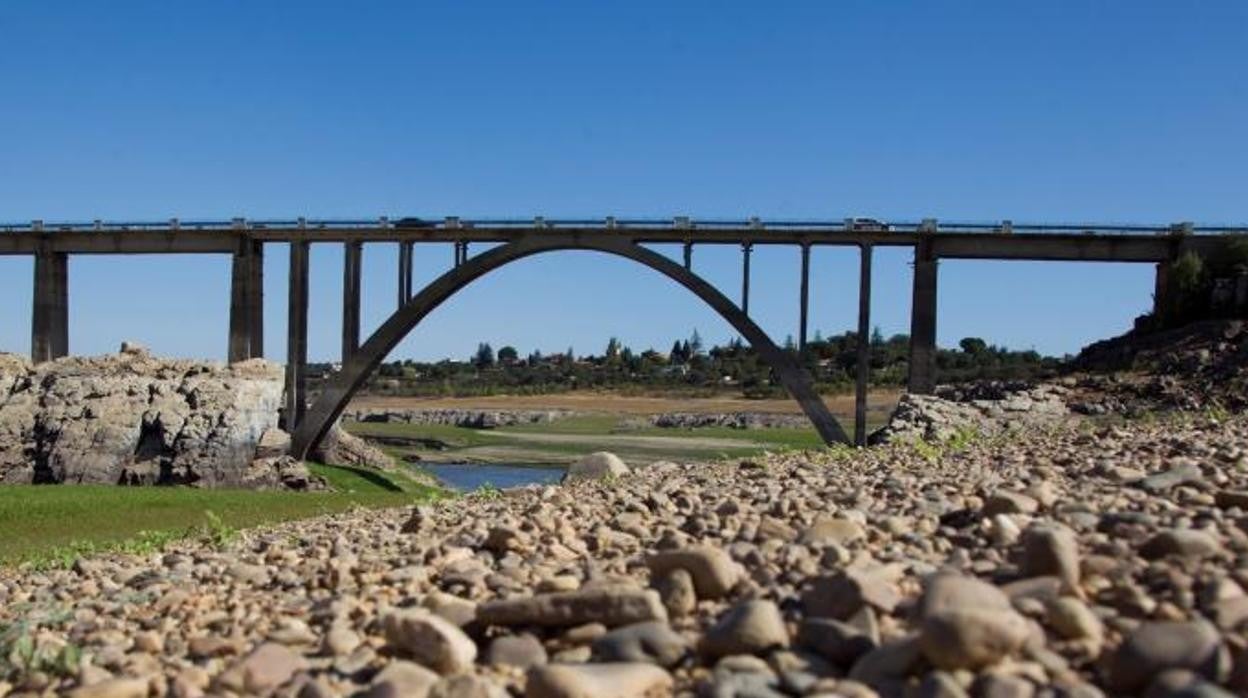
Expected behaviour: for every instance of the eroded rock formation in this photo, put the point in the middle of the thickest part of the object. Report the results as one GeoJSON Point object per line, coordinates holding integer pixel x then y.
{"type": "Point", "coordinates": [132, 418]}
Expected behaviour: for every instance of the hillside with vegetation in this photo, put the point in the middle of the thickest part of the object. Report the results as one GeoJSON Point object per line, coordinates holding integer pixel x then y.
{"type": "Point", "coordinates": [689, 367]}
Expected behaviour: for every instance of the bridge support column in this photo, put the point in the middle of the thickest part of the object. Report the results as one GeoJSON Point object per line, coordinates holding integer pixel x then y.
{"type": "Point", "coordinates": [351, 257]}
{"type": "Point", "coordinates": [405, 272]}
{"type": "Point", "coordinates": [1161, 292]}
{"type": "Point", "coordinates": [746, 249]}
{"type": "Point", "coordinates": [297, 336]}
{"type": "Point", "coordinates": [688, 251]}
{"type": "Point", "coordinates": [49, 336]}
{"type": "Point", "coordinates": [922, 377]}
{"type": "Point", "coordinates": [247, 302]}
{"type": "Point", "coordinates": [805, 298]}
{"type": "Point", "coordinates": [863, 361]}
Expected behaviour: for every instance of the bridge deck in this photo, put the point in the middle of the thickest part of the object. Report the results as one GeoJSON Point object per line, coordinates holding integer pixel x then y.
{"type": "Point", "coordinates": [1135, 243]}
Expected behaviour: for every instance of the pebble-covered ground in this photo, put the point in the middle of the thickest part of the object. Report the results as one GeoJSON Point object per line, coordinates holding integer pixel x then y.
{"type": "Point", "coordinates": [1069, 561]}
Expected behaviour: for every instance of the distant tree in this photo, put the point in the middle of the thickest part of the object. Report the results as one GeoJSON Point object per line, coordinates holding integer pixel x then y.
{"type": "Point", "coordinates": [789, 344]}
{"type": "Point", "coordinates": [613, 348]}
{"type": "Point", "coordinates": [484, 358]}
{"type": "Point", "coordinates": [571, 353]}
{"type": "Point", "coordinates": [973, 345]}
{"type": "Point", "coordinates": [508, 355]}
{"type": "Point", "coordinates": [694, 346]}
{"type": "Point", "coordinates": [535, 357]}
{"type": "Point", "coordinates": [877, 337]}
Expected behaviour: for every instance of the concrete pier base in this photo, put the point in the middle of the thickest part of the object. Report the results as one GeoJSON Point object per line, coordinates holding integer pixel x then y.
{"type": "Point", "coordinates": [49, 336]}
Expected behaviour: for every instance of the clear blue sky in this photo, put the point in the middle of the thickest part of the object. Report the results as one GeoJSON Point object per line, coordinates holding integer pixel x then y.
{"type": "Point", "coordinates": [1106, 111]}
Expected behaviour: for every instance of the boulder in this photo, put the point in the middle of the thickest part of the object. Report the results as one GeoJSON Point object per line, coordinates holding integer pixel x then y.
{"type": "Point", "coordinates": [1160, 645]}
{"type": "Point", "coordinates": [753, 627]}
{"type": "Point", "coordinates": [430, 640]}
{"type": "Point", "coordinates": [968, 624]}
{"type": "Point", "coordinates": [714, 573]}
{"type": "Point", "coordinates": [613, 680]}
{"type": "Point", "coordinates": [596, 466]}
{"type": "Point", "coordinates": [610, 605]}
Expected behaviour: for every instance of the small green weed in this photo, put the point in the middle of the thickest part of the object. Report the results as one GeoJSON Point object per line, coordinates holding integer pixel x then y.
{"type": "Point", "coordinates": [21, 651]}
{"type": "Point", "coordinates": [487, 492]}
{"type": "Point", "coordinates": [217, 533]}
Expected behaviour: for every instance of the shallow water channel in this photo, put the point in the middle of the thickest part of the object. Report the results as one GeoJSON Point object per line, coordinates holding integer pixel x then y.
{"type": "Point", "coordinates": [468, 477]}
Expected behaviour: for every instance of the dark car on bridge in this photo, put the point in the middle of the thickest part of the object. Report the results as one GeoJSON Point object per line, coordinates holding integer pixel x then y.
{"type": "Point", "coordinates": [869, 225]}
{"type": "Point", "coordinates": [413, 222]}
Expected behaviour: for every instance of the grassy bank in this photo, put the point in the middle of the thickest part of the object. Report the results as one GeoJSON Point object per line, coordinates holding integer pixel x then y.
{"type": "Point", "coordinates": [53, 524]}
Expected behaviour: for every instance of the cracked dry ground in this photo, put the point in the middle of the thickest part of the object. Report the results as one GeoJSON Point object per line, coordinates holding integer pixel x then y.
{"type": "Point", "coordinates": [1077, 561]}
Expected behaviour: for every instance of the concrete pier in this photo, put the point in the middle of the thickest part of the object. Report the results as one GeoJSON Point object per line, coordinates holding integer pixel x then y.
{"type": "Point", "coordinates": [922, 377]}
{"type": "Point", "coordinates": [688, 253]}
{"type": "Point", "coordinates": [246, 302]}
{"type": "Point", "coordinates": [297, 335]}
{"type": "Point", "coordinates": [406, 250]}
{"type": "Point", "coordinates": [805, 299]}
{"type": "Point", "coordinates": [746, 249]}
{"type": "Point", "coordinates": [863, 361]}
{"type": "Point", "coordinates": [49, 336]}
{"type": "Point", "coordinates": [352, 253]}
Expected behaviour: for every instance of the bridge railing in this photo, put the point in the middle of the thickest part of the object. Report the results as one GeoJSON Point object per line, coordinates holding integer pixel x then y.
{"type": "Point", "coordinates": [845, 225]}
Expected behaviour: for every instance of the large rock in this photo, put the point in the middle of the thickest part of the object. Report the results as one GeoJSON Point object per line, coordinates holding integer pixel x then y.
{"type": "Point", "coordinates": [652, 642]}
{"type": "Point", "coordinates": [429, 639]}
{"type": "Point", "coordinates": [753, 627]}
{"type": "Point", "coordinates": [596, 466]}
{"type": "Point", "coordinates": [611, 606]}
{"type": "Point", "coordinates": [968, 624]}
{"type": "Point", "coordinates": [135, 419]}
{"type": "Point", "coordinates": [614, 680]}
{"type": "Point", "coordinates": [714, 573]}
{"type": "Point", "coordinates": [1157, 646]}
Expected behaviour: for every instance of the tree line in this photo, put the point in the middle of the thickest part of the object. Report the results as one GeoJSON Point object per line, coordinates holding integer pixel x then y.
{"type": "Point", "coordinates": [690, 367]}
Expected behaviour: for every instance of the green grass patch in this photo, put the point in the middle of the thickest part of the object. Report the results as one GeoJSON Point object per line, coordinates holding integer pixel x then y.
{"type": "Point", "coordinates": [54, 524]}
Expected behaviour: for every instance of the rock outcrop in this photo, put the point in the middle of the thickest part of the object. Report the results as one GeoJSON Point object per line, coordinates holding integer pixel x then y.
{"type": "Point", "coordinates": [472, 419]}
{"type": "Point", "coordinates": [132, 418]}
{"type": "Point", "coordinates": [734, 420]}
{"type": "Point", "coordinates": [986, 409]}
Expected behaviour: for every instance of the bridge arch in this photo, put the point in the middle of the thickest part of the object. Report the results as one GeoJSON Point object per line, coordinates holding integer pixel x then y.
{"type": "Point", "coordinates": [338, 391]}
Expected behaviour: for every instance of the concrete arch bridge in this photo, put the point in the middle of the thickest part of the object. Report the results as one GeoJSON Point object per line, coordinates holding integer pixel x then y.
{"type": "Point", "coordinates": [52, 244]}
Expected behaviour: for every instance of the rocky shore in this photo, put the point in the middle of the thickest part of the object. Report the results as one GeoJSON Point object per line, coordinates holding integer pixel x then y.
{"type": "Point", "coordinates": [1063, 560]}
